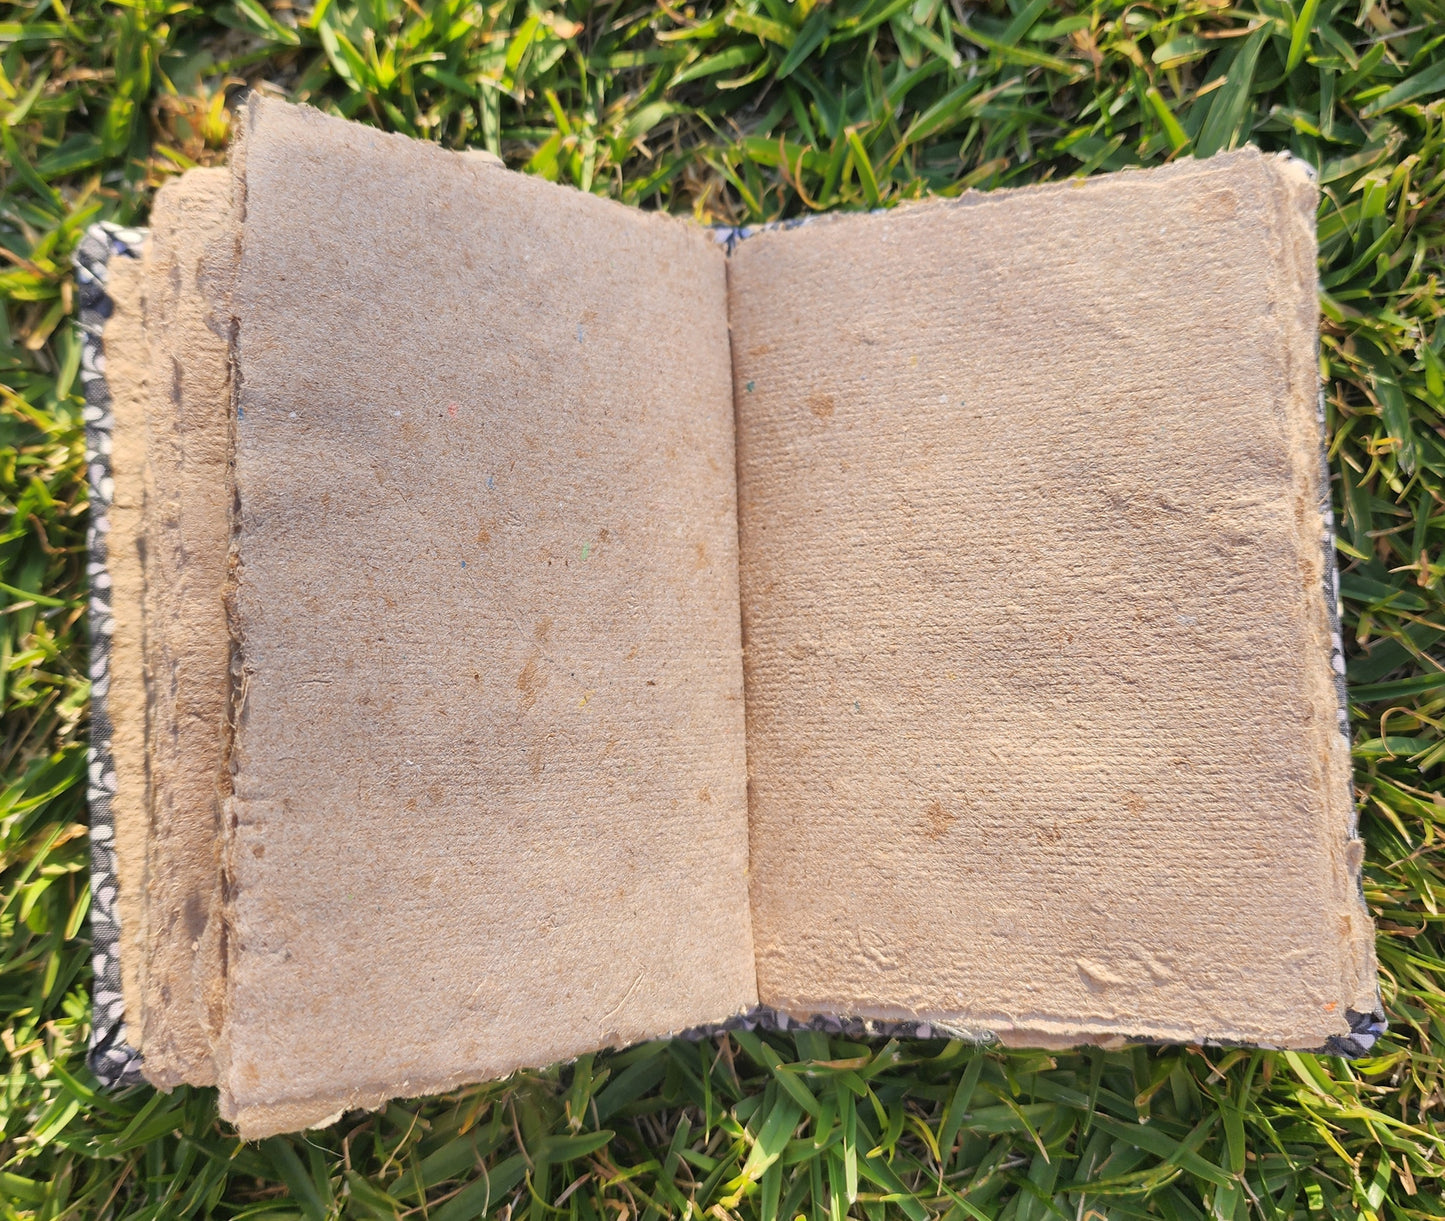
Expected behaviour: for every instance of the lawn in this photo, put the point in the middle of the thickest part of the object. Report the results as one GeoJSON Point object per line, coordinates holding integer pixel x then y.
{"type": "Point", "coordinates": [743, 112]}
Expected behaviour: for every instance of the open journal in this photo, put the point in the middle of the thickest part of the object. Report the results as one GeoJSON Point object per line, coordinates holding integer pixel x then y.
{"type": "Point", "coordinates": [527, 624]}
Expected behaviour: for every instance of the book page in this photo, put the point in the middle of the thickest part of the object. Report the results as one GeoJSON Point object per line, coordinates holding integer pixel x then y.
{"type": "Point", "coordinates": [489, 793]}
{"type": "Point", "coordinates": [187, 648]}
{"type": "Point", "coordinates": [126, 360]}
{"type": "Point", "coordinates": [1043, 731]}
{"type": "Point", "coordinates": [166, 365]}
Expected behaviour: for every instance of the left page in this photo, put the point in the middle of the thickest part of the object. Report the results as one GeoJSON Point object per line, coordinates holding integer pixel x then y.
{"type": "Point", "coordinates": [488, 799]}
{"type": "Point", "coordinates": [187, 656]}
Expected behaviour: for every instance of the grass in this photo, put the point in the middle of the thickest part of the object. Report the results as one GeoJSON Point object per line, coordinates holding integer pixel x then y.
{"type": "Point", "coordinates": [740, 112]}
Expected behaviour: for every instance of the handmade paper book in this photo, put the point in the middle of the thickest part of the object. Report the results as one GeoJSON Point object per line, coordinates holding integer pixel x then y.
{"type": "Point", "coordinates": [527, 624]}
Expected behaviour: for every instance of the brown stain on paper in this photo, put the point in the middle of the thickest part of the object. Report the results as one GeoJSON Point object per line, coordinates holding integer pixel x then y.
{"type": "Point", "coordinates": [822, 405]}
{"type": "Point", "coordinates": [531, 682]}
{"type": "Point", "coordinates": [938, 820]}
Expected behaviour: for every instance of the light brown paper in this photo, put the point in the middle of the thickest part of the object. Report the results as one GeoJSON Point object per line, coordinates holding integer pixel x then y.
{"type": "Point", "coordinates": [489, 804]}
{"type": "Point", "coordinates": [126, 359]}
{"type": "Point", "coordinates": [187, 650]}
{"type": "Point", "coordinates": [1042, 731]}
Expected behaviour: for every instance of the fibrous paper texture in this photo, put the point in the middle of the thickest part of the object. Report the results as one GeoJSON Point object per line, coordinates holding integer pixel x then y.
{"type": "Point", "coordinates": [471, 507]}
{"type": "Point", "coordinates": [1042, 720]}
{"type": "Point", "coordinates": [486, 623]}
{"type": "Point", "coordinates": [186, 647]}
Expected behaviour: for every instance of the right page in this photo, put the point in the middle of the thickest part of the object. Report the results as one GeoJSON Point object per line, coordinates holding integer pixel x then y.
{"type": "Point", "coordinates": [1045, 733]}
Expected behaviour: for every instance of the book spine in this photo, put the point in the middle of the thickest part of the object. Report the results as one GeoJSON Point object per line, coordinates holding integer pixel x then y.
{"type": "Point", "coordinates": [113, 1061]}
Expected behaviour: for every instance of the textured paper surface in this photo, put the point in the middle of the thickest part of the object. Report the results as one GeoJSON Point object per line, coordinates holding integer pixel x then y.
{"type": "Point", "coordinates": [186, 647]}
{"type": "Point", "coordinates": [1042, 730]}
{"type": "Point", "coordinates": [126, 359]}
{"type": "Point", "coordinates": [489, 792]}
